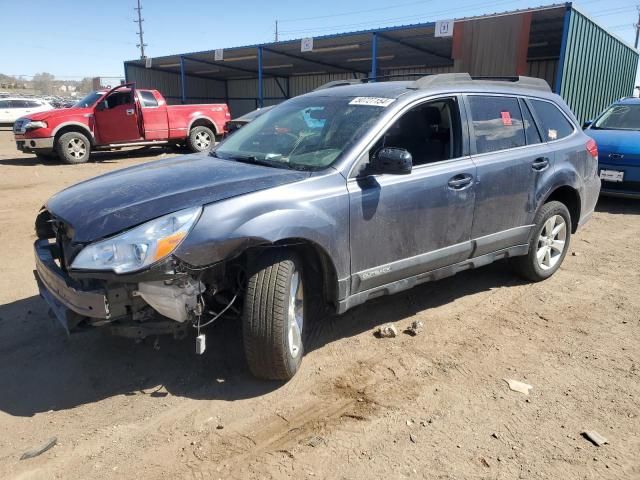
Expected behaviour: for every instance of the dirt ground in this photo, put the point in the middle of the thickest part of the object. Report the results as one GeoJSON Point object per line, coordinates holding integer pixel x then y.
{"type": "Point", "coordinates": [432, 406]}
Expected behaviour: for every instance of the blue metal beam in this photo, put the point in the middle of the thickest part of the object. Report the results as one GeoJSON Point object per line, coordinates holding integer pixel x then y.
{"type": "Point", "coordinates": [260, 86]}
{"type": "Point", "coordinates": [563, 49]}
{"type": "Point", "coordinates": [374, 56]}
{"type": "Point", "coordinates": [183, 87]}
{"type": "Point", "coordinates": [218, 64]}
{"type": "Point", "coordinates": [284, 93]}
{"type": "Point", "coordinates": [305, 59]}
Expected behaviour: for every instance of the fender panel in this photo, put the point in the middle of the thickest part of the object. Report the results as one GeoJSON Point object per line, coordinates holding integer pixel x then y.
{"type": "Point", "coordinates": [315, 210]}
{"type": "Point", "coordinates": [82, 126]}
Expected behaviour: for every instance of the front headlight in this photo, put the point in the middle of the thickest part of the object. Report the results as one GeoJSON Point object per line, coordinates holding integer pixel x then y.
{"type": "Point", "coordinates": [33, 125]}
{"type": "Point", "coordinates": [140, 246]}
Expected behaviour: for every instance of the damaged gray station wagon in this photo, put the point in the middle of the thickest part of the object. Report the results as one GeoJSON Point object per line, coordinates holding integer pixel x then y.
{"type": "Point", "coordinates": [341, 195]}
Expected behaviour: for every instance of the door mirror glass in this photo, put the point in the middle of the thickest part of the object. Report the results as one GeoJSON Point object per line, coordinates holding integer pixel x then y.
{"type": "Point", "coordinates": [587, 124]}
{"type": "Point", "coordinates": [101, 106]}
{"type": "Point", "coordinates": [395, 161]}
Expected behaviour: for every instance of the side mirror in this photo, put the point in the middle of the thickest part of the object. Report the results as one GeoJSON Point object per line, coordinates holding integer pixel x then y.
{"type": "Point", "coordinates": [395, 161]}
{"type": "Point", "coordinates": [101, 106]}
{"type": "Point", "coordinates": [587, 124]}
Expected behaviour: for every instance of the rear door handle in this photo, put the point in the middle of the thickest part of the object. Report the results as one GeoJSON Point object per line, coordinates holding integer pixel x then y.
{"type": "Point", "coordinates": [130, 111]}
{"type": "Point", "coordinates": [540, 164]}
{"type": "Point", "coordinates": [460, 181]}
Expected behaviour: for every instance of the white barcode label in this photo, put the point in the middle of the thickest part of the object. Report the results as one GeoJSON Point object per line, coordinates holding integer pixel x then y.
{"type": "Point", "coordinates": [372, 101]}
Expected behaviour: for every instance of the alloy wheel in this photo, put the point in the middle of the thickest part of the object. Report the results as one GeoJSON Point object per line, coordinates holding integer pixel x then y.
{"type": "Point", "coordinates": [295, 314]}
{"type": "Point", "coordinates": [551, 242]}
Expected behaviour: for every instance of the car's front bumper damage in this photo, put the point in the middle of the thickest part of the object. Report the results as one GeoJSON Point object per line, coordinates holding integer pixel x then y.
{"type": "Point", "coordinates": [81, 303]}
{"type": "Point", "coordinates": [70, 304]}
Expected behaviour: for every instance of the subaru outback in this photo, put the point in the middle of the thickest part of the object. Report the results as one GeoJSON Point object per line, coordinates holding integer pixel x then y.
{"type": "Point", "coordinates": [338, 196]}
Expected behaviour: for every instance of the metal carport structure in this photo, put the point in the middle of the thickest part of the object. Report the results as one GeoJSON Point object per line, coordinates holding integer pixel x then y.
{"type": "Point", "coordinates": [580, 60]}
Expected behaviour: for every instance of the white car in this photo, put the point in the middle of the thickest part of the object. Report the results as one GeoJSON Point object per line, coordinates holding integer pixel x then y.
{"type": "Point", "coordinates": [13, 108]}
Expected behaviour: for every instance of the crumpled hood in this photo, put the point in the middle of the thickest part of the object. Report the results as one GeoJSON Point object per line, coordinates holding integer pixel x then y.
{"type": "Point", "coordinates": [119, 200]}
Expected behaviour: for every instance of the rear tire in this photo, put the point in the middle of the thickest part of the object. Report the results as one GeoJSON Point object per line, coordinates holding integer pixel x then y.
{"type": "Point", "coordinates": [548, 245]}
{"type": "Point", "coordinates": [273, 316]}
{"type": "Point", "coordinates": [201, 139]}
{"type": "Point", "coordinates": [73, 148]}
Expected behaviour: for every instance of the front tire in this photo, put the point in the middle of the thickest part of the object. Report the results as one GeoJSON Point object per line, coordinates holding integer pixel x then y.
{"type": "Point", "coordinates": [73, 148]}
{"type": "Point", "coordinates": [201, 139]}
{"type": "Point", "coordinates": [273, 316]}
{"type": "Point", "coordinates": [548, 245]}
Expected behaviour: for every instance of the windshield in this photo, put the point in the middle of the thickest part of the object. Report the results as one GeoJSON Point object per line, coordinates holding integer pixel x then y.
{"type": "Point", "coordinates": [620, 117]}
{"type": "Point", "coordinates": [89, 100]}
{"type": "Point", "coordinates": [306, 133]}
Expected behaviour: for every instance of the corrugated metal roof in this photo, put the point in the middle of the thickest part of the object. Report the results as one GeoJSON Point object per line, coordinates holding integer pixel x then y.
{"type": "Point", "coordinates": [398, 47]}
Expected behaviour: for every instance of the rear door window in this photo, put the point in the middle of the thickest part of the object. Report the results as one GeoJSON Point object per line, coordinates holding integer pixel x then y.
{"type": "Point", "coordinates": [497, 123]}
{"type": "Point", "coordinates": [18, 103]}
{"type": "Point", "coordinates": [552, 121]}
{"type": "Point", "coordinates": [530, 129]}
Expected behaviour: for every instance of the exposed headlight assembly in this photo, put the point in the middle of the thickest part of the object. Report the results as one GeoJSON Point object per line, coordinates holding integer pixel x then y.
{"type": "Point", "coordinates": [139, 247]}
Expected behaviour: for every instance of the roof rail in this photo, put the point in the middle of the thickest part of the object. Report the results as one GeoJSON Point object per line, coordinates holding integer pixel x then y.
{"type": "Point", "coordinates": [356, 81]}
{"type": "Point", "coordinates": [340, 83]}
{"type": "Point", "coordinates": [432, 81]}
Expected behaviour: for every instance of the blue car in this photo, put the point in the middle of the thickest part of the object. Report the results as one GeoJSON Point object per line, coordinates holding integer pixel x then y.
{"type": "Point", "coordinates": [617, 133]}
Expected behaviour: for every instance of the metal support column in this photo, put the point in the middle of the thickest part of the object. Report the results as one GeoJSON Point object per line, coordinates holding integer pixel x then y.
{"type": "Point", "coordinates": [183, 86]}
{"type": "Point", "coordinates": [374, 56]}
{"type": "Point", "coordinates": [557, 88]}
{"type": "Point", "coordinates": [260, 86]}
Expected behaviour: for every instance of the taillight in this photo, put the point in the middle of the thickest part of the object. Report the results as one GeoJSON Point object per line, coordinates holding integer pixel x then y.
{"type": "Point", "coordinates": [592, 148]}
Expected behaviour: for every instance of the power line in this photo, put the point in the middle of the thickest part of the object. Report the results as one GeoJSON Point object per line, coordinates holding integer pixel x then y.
{"type": "Point", "coordinates": [140, 32]}
{"type": "Point", "coordinates": [353, 12]}
{"type": "Point", "coordinates": [415, 18]}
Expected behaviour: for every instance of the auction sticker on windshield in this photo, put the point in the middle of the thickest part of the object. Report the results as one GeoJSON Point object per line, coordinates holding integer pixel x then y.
{"type": "Point", "coordinates": [372, 101]}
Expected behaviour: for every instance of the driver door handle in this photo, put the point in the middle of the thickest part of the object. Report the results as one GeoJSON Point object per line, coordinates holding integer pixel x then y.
{"type": "Point", "coordinates": [130, 111]}
{"type": "Point", "coordinates": [540, 164]}
{"type": "Point", "coordinates": [460, 181]}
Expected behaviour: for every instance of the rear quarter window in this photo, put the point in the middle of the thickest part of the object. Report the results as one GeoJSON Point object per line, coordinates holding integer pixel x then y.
{"type": "Point", "coordinates": [553, 123]}
{"type": "Point", "coordinates": [148, 100]}
{"type": "Point", "coordinates": [497, 123]}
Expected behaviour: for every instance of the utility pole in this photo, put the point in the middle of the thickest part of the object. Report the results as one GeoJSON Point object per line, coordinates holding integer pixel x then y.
{"type": "Point", "coordinates": [277, 30]}
{"type": "Point", "coordinates": [139, 21]}
{"type": "Point", "coordinates": [637, 27]}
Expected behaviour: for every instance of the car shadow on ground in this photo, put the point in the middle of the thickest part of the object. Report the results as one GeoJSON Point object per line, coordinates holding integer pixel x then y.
{"type": "Point", "coordinates": [98, 157]}
{"type": "Point", "coordinates": [618, 206]}
{"type": "Point", "coordinates": [42, 369]}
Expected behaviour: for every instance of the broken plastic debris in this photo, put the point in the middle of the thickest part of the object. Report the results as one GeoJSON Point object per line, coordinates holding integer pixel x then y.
{"type": "Point", "coordinates": [517, 386]}
{"type": "Point", "coordinates": [315, 441]}
{"type": "Point", "coordinates": [415, 328]}
{"type": "Point", "coordinates": [387, 331]}
{"type": "Point", "coordinates": [34, 452]}
{"type": "Point", "coordinates": [594, 437]}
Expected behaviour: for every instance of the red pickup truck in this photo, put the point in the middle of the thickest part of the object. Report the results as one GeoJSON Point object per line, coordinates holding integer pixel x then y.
{"type": "Point", "coordinates": [121, 117]}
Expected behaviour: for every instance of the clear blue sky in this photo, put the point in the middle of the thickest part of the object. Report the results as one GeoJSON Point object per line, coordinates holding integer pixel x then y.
{"type": "Point", "coordinates": [76, 38]}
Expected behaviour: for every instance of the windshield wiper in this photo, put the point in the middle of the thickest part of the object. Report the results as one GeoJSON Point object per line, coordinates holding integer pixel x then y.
{"type": "Point", "coordinates": [255, 160]}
